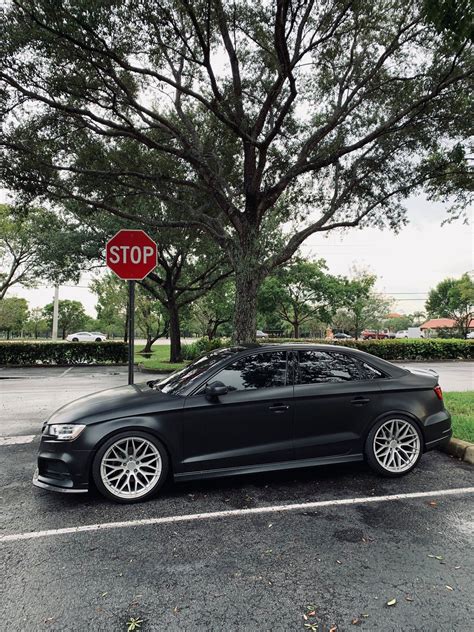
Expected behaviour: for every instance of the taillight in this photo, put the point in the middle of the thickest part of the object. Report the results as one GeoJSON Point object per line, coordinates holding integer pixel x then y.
{"type": "Point", "coordinates": [439, 392]}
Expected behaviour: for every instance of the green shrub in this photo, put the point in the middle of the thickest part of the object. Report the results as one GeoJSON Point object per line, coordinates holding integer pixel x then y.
{"type": "Point", "coordinates": [202, 345]}
{"type": "Point", "coordinates": [62, 353]}
{"type": "Point", "coordinates": [404, 349]}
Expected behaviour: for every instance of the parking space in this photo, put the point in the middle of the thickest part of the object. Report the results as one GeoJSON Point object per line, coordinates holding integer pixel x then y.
{"type": "Point", "coordinates": [228, 554]}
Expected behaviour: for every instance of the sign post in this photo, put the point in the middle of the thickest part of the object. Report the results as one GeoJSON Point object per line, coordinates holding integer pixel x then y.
{"type": "Point", "coordinates": [131, 255]}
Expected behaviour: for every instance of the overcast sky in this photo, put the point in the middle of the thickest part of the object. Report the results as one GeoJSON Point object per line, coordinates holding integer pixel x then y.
{"type": "Point", "coordinates": [408, 264]}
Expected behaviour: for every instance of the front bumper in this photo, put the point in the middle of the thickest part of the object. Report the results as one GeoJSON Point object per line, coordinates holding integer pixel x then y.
{"type": "Point", "coordinates": [61, 468]}
{"type": "Point", "coordinates": [41, 482]}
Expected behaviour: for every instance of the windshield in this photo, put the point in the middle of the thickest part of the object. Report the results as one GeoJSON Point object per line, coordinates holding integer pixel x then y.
{"type": "Point", "coordinates": [179, 380]}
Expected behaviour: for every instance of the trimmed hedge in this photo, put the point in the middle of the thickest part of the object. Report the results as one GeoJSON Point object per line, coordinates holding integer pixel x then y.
{"type": "Point", "coordinates": [62, 353]}
{"type": "Point", "coordinates": [403, 349]}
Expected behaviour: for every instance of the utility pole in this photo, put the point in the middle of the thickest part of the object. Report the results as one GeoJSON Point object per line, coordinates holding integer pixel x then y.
{"type": "Point", "coordinates": [54, 335]}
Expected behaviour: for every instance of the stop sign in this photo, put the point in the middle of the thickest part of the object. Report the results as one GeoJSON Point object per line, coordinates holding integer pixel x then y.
{"type": "Point", "coordinates": [131, 254]}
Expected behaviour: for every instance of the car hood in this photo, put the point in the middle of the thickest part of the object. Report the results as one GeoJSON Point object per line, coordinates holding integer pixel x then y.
{"type": "Point", "coordinates": [121, 401]}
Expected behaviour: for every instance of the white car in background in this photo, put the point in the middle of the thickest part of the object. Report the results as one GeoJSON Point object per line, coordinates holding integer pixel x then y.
{"type": "Point", "coordinates": [261, 334]}
{"type": "Point", "coordinates": [87, 336]}
{"type": "Point", "coordinates": [470, 335]}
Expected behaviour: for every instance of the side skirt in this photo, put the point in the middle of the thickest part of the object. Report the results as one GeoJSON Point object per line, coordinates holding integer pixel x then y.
{"type": "Point", "coordinates": [268, 467]}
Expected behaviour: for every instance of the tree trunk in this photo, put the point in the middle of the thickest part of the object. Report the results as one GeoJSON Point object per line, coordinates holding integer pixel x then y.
{"type": "Point", "coordinates": [247, 284]}
{"type": "Point", "coordinates": [296, 329]}
{"type": "Point", "coordinates": [149, 343]}
{"type": "Point", "coordinates": [175, 333]}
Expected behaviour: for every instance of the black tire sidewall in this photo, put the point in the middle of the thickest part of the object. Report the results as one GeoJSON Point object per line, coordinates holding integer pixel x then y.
{"type": "Point", "coordinates": [369, 447]}
{"type": "Point", "coordinates": [123, 435]}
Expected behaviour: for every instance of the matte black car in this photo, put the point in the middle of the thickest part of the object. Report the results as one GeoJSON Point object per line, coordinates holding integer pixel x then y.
{"type": "Point", "coordinates": [242, 410]}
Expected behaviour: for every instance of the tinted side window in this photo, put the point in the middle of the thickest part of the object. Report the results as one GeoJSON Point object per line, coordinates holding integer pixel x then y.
{"type": "Point", "coordinates": [262, 370]}
{"type": "Point", "coordinates": [321, 366]}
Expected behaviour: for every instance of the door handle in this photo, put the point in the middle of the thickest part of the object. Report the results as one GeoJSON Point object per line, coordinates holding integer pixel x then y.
{"type": "Point", "coordinates": [360, 401]}
{"type": "Point", "coordinates": [278, 408]}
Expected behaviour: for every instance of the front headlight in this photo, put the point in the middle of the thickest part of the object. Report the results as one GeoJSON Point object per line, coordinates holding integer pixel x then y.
{"type": "Point", "coordinates": [64, 432]}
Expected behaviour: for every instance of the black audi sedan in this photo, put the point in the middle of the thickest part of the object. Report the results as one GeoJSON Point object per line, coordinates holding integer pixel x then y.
{"type": "Point", "coordinates": [241, 410]}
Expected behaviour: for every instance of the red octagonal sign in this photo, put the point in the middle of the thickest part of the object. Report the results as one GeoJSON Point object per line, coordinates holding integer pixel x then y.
{"type": "Point", "coordinates": [131, 254]}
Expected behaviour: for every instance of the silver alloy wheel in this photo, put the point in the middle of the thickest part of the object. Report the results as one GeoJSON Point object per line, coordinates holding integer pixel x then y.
{"type": "Point", "coordinates": [397, 445]}
{"type": "Point", "coordinates": [131, 467]}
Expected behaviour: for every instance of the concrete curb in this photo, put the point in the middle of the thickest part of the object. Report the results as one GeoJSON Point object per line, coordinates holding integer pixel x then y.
{"type": "Point", "coordinates": [463, 450]}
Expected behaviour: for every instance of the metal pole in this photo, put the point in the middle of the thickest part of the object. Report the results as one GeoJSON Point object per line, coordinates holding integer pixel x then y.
{"type": "Point", "coordinates": [131, 329]}
{"type": "Point", "coordinates": [54, 334]}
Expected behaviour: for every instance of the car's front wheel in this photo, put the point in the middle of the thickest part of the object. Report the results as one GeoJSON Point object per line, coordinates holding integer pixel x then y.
{"type": "Point", "coordinates": [394, 446]}
{"type": "Point", "coordinates": [130, 467]}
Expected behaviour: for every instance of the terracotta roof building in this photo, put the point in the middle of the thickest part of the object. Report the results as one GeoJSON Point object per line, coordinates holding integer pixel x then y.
{"type": "Point", "coordinates": [443, 323]}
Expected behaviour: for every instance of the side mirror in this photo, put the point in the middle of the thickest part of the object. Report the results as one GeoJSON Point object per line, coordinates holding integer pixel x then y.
{"type": "Point", "coordinates": [215, 389]}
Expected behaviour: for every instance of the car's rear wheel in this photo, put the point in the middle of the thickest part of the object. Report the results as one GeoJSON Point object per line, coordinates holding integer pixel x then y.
{"type": "Point", "coordinates": [394, 446]}
{"type": "Point", "coordinates": [130, 467]}
{"type": "Point", "coordinates": [75, 339]}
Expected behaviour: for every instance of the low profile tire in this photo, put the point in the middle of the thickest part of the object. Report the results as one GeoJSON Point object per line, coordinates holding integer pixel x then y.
{"type": "Point", "coordinates": [98, 339]}
{"type": "Point", "coordinates": [130, 467]}
{"type": "Point", "coordinates": [75, 339]}
{"type": "Point", "coordinates": [394, 446]}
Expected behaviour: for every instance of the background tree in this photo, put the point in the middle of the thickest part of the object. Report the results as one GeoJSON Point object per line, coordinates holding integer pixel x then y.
{"type": "Point", "coordinates": [363, 307]}
{"type": "Point", "coordinates": [71, 316]}
{"type": "Point", "coordinates": [34, 246]}
{"type": "Point", "coordinates": [453, 298]}
{"type": "Point", "coordinates": [111, 306]}
{"type": "Point", "coordinates": [150, 319]}
{"type": "Point", "coordinates": [13, 315]}
{"type": "Point", "coordinates": [301, 291]}
{"type": "Point", "coordinates": [399, 323]}
{"type": "Point", "coordinates": [36, 325]}
{"type": "Point", "coordinates": [215, 309]}
{"type": "Point", "coordinates": [318, 115]}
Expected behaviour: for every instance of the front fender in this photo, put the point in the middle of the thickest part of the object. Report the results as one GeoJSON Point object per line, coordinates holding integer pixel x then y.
{"type": "Point", "coordinates": [166, 428]}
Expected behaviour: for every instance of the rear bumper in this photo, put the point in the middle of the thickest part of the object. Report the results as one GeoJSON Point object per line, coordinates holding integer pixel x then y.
{"type": "Point", "coordinates": [437, 429]}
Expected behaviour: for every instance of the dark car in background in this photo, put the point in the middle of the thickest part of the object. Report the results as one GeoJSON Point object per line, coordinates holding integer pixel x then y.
{"type": "Point", "coordinates": [241, 410]}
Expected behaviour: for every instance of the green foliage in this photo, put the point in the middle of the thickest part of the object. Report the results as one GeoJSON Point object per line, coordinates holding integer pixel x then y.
{"type": "Point", "coordinates": [453, 298]}
{"type": "Point", "coordinates": [452, 17]}
{"type": "Point", "coordinates": [203, 345]}
{"type": "Point", "coordinates": [62, 353]}
{"type": "Point", "coordinates": [71, 316]}
{"type": "Point", "coordinates": [461, 407]}
{"type": "Point", "coordinates": [403, 349]}
{"type": "Point", "coordinates": [13, 314]}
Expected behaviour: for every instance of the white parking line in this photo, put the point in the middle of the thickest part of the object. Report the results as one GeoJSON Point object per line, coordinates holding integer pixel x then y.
{"type": "Point", "coordinates": [232, 513]}
{"type": "Point", "coordinates": [16, 440]}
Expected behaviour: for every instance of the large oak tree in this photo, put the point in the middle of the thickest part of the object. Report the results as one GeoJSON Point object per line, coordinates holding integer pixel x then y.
{"type": "Point", "coordinates": [261, 123]}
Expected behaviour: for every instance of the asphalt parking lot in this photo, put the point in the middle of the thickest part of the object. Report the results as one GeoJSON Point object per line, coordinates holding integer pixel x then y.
{"type": "Point", "coordinates": [231, 554]}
